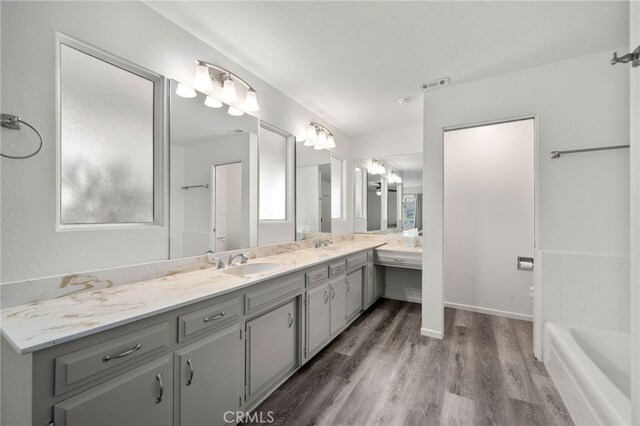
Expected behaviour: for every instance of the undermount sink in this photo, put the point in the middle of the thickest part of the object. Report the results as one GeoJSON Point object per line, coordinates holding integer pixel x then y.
{"type": "Point", "coordinates": [250, 268]}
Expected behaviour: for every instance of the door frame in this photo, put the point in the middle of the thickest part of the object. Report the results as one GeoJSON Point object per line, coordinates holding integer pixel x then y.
{"type": "Point", "coordinates": [537, 282]}
{"type": "Point", "coordinates": [212, 223]}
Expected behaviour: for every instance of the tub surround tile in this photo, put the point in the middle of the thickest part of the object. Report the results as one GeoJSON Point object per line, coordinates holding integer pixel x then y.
{"type": "Point", "coordinates": [38, 325]}
{"type": "Point", "coordinates": [586, 289]}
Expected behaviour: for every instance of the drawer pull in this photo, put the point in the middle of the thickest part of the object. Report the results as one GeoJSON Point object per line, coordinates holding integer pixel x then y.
{"type": "Point", "coordinates": [160, 388]}
{"type": "Point", "coordinates": [290, 319]}
{"type": "Point", "coordinates": [326, 297]}
{"type": "Point", "coordinates": [339, 268]}
{"type": "Point", "coordinates": [190, 379]}
{"type": "Point", "coordinates": [333, 292]}
{"type": "Point", "coordinates": [215, 317]}
{"type": "Point", "coordinates": [123, 354]}
{"type": "Point", "coordinates": [399, 260]}
{"type": "Point", "coordinates": [348, 286]}
{"type": "Point", "coordinates": [318, 276]}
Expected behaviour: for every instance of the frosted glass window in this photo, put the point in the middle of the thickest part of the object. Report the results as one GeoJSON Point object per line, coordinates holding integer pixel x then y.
{"type": "Point", "coordinates": [106, 142]}
{"type": "Point", "coordinates": [273, 175]}
{"type": "Point", "coordinates": [336, 188]}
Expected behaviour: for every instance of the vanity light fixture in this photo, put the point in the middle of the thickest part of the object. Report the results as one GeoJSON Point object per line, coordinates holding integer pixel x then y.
{"type": "Point", "coordinates": [395, 177]}
{"type": "Point", "coordinates": [212, 102]}
{"type": "Point", "coordinates": [185, 91]}
{"type": "Point", "coordinates": [377, 167]}
{"type": "Point", "coordinates": [235, 112]}
{"type": "Point", "coordinates": [319, 137]}
{"type": "Point", "coordinates": [209, 75]}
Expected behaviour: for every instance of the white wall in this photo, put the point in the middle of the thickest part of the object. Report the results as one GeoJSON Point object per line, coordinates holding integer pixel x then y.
{"type": "Point", "coordinates": [489, 217]}
{"type": "Point", "coordinates": [30, 245]}
{"type": "Point", "coordinates": [583, 199]}
{"type": "Point", "coordinates": [406, 140]}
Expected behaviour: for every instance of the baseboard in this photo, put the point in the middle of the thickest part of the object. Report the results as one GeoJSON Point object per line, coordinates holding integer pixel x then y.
{"type": "Point", "coordinates": [403, 298]}
{"type": "Point", "coordinates": [431, 333]}
{"type": "Point", "coordinates": [489, 311]}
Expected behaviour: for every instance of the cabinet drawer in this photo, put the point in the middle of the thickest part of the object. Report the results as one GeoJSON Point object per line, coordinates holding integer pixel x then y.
{"type": "Point", "coordinates": [210, 318]}
{"type": "Point", "coordinates": [316, 276]}
{"type": "Point", "coordinates": [272, 291]}
{"type": "Point", "coordinates": [337, 268]}
{"type": "Point", "coordinates": [80, 367]}
{"type": "Point", "coordinates": [356, 261]}
{"type": "Point", "coordinates": [402, 260]}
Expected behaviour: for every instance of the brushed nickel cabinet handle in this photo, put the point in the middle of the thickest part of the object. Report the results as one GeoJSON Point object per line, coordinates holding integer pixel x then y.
{"type": "Point", "coordinates": [326, 297]}
{"type": "Point", "coordinates": [348, 286]}
{"type": "Point", "coordinates": [333, 292]}
{"type": "Point", "coordinates": [160, 388]}
{"type": "Point", "coordinates": [399, 260]}
{"type": "Point", "coordinates": [123, 354]}
{"type": "Point", "coordinates": [290, 319]}
{"type": "Point", "coordinates": [318, 276]}
{"type": "Point", "coordinates": [215, 317]}
{"type": "Point", "coordinates": [190, 379]}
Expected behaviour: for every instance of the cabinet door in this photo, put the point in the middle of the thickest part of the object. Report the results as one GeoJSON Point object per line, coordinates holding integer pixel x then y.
{"type": "Point", "coordinates": [338, 303]}
{"type": "Point", "coordinates": [142, 396]}
{"type": "Point", "coordinates": [370, 295]}
{"type": "Point", "coordinates": [272, 347]}
{"type": "Point", "coordinates": [354, 292]}
{"type": "Point", "coordinates": [318, 317]}
{"type": "Point", "coordinates": [379, 281]}
{"type": "Point", "coordinates": [210, 375]}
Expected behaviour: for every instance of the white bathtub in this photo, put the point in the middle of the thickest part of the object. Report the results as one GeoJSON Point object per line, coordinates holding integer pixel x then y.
{"type": "Point", "coordinates": [591, 369]}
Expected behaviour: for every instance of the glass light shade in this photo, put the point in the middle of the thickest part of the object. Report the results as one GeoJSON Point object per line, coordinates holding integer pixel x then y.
{"type": "Point", "coordinates": [322, 139]}
{"type": "Point", "coordinates": [311, 133]}
{"type": "Point", "coordinates": [185, 91]}
{"type": "Point", "coordinates": [309, 142]}
{"type": "Point", "coordinates": [331, 142]}
{"type": "Point", "coordinates": [379, 192]}
{"type": "Point", "coordinates": [202, 81]}
{"type": "Point", "coordinates": [229, 94]}
{"type": "Point", "coordinates": [212, 102]}
{"type": "Point", "coordinates": [235, 112]}
{"type": "Point", "coordinates": [251, 101]}
{"type": "Point", "coordinates": [318, 147]}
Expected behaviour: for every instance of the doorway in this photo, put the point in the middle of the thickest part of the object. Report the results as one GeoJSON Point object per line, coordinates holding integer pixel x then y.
{"type": "Point", "coordinates": [489, 218]}
{"type": "Point", "coordinates": [226, 207]}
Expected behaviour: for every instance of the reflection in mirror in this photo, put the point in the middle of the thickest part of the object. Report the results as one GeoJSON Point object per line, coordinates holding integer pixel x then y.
{"type": "Point", "coordinates": [213, 177]}
{"type": "Point", "coordinates": [388, 194]}
{"type": "Point", "coordinates": [313, 192]}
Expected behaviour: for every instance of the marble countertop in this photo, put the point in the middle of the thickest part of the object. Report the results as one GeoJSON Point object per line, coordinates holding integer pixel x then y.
{"type": "Point", "coordinates": [399, 248]}
{"type": "Point", "coordinates": [40, 325]}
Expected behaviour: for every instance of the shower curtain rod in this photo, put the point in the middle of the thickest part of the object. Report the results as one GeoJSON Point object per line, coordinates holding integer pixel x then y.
{"type": "Point", "coordinates": [557, 154]}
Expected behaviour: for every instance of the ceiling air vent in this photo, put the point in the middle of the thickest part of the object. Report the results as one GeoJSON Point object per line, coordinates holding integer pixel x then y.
{"type": "Point", "coordinates": [435, 83]}
{"type": "Point", "coordinates": [235, 131]}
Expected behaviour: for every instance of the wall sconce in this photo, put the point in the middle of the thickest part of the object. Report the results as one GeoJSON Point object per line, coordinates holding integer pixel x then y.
{"type": "Point", "coordinates": [209, 75]}
{"type": "Point", "coordinates": [377, 167]}
{"type": "Point", "coordinates": [395, 177]}
{"type": "Point", "coordinates": [319, 137]}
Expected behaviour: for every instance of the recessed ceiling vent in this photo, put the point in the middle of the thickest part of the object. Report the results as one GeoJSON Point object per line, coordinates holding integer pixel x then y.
{"type": "Point", "coordinates": [235, 131]}
{"type": "Point", "coordinates": [434, 84]}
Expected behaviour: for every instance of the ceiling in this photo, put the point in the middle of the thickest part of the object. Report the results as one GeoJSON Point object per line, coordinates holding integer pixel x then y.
{"type": "Point", "coordinates": [350, 62]}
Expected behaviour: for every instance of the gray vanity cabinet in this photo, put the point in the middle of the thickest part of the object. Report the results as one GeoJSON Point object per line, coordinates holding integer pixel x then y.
{"type": "Point", "coordinates": [338, 303]}
{"type": "Point", "coordinates": [378, 281]}
{"type": "Point", "coordinates": [318, 317]}
{"type": "Point", "coordinates": [210, 378]}
{"type": "Point", "coordinates": [142, 396]}
{"type": "Point", "coordinates": [370, 293]}
{"type": "Point", "coordinates": [271, 348]}
{"type": "Point", "coordinates": [355, 281]}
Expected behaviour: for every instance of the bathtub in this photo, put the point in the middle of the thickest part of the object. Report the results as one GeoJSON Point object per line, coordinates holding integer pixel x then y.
{"type": "Point", "coordinates": [591, 369]}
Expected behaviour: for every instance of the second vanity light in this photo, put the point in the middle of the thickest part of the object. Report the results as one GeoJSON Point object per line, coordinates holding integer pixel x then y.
{"type": "Point", "coordinates": [209, 75]}
{"type": "Point", "coordinates": [319, 137]}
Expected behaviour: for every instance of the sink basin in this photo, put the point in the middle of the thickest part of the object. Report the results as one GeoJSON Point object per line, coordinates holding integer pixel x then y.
{"type": "Point", "coordinates": [250, 268]}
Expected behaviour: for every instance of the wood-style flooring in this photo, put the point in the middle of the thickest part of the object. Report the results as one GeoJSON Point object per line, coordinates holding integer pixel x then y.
{"type": "Point", "coordinates": [382, 371]}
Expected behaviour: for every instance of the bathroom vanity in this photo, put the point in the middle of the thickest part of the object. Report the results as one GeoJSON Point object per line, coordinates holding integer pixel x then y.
{"type": "Point", "coordinates": [184, 349]}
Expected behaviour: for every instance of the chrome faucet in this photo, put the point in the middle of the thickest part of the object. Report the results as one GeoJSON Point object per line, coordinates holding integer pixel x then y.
{"type": "Point", "coordinates": [322, 243]}
{"type": "Point", "coordinates": [243, 258]}
{"type": "Point", "coordinates": [215, 261]}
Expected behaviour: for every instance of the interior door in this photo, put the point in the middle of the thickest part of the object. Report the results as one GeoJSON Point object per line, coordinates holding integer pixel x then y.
{"type": "Point", "coordinates": [489, 216]}
{"type": "Point", "coordinates": [227, 205]}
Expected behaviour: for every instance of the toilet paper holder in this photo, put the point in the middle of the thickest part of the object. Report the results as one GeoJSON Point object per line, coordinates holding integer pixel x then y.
{"type": "Point", "coordinates": [525, 263]}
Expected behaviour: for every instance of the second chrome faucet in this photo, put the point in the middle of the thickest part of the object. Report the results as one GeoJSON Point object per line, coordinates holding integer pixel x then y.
{"type": "Point", "coordinates": [243, 258]}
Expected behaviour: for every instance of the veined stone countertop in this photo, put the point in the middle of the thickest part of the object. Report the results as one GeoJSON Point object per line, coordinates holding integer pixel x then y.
{"type": "Point", "coordinates": [40, 325]}
{"type": "Point", "coordinates": [399, 248]}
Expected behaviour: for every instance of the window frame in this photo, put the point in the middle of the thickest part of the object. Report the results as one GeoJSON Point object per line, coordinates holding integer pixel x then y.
{"type": "Point", "coordinates": [160, 154]}
{"type": "Point", "coordinates": [289, 174]}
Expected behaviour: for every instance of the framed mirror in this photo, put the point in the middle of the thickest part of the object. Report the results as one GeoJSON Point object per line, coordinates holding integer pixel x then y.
{"type": "Point", "coordinates": [213, 177]}
{"type": "Point", "coordinates": [313, 192]}
{"type": "Point", "coordinates": [388, 194]}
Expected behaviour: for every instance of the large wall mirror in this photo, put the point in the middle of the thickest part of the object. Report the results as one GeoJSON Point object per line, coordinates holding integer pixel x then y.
{"type": "Point", "coordinates": [388, 194]}
{"type": "Point", "coordinates": [319, 191]}
{"type": "Point", "coordinates": [213, 177]}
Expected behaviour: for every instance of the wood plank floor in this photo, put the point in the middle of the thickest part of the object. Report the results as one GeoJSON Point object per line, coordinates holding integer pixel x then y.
{"type": "Point", "coordinates": [382, 371]}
